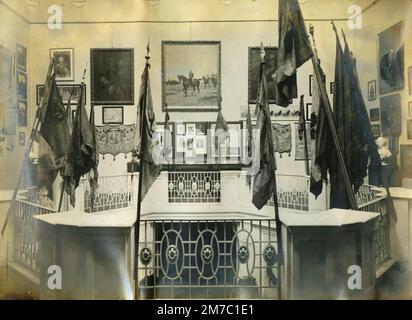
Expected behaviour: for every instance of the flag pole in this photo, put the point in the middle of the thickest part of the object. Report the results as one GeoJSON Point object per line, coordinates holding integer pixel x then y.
{"type": "Point", "coordinates": [275, 193]}
{"type": "Point", "coordinates": [139, 194]}
{"type": "Point", "coordinates": [328, 109]}
{"type": "Point", "coordinates": [305, 136]}
{"type": "Point", "coordinates": [33, 133]}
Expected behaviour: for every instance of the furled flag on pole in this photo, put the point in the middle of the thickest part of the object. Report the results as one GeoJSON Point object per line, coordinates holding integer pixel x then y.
{"type": "Point", "coordinates": [54, 134]}
{"type": "Point", "coordinates": [321, 143]}
{"type": "Point", "coordinates": [167, 142]}
{"type": "Point", "coordinates": [264, 181]}
{"type": "Point", "coordinates": [221, 129]}
{"type": "Point", "coordinates": [294, 51]}
{"type": "Point", "coordinates": [93, 173]}
{"type": "Point", "coordinates": [151, 156]}
{"type": "Point", "coordinates": [82, 154]}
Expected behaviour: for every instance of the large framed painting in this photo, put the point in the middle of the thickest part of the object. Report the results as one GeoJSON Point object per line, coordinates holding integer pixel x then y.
{"type": "Point", "coordinates": [112, 76]}
{"type": "Point", "coordinates": [391, 124]}
{"type": "Point", "coordinates": [391, 59]}
{"type": "Point", "coordinates": [64, 59]}
{"type": "Point", "coordinates": [271, 54]}
{"type": "Point", "coordinates": [191, 75]}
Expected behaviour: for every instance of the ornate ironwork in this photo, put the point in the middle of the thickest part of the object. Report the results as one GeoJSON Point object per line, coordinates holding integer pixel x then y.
{"type": "Point", "coordinates": [209, 259]}
{"type": "Point", "coordinates": [194, 187]}
{"type": "Point", "coordinates": [145, 256]}
{"type": "Point", "coordinates": [293, 192]}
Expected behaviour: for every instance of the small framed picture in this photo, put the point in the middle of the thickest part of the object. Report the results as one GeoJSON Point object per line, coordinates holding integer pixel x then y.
{"type": "Point", "coordinates": [308, 111]}
{"type": "Point", "coordinates": [410, 109]}
{"type": "Point", "coordinates": [10, 143]}
{"type": "Point", "coordinates": [21, 78]}
{"type": "Point", "coordinates": [191, 129]}
{"type": "Point", "coordinates": [409, 128]}
{"type": "Point", "coordinates": [311, 81]}
{"type": "Point", "coordinates": [376, 130]}
{"type": "Point", "coordinates": [21, 57]}
{"type": "Point", "coordinates": [22, 138]}
{"type": "Point", "coordinates": [372, 90]}
{"type": "Point", "coordinates": [64, 59]}
{"type": "Point", "coordinates": [374, 114]}
{"type": "Point", "coordinates": [200, 128]}
{"type": "Point", "coordinates": [332, 87]}
{"type": "Point", "coordinates": [410, 80]}
{"type": "Point", "coordinates": [112, 115]}
{"type": "Point", "coordinates": [180, 129]}
{"type": "Point", "coordinates": [21, 113]}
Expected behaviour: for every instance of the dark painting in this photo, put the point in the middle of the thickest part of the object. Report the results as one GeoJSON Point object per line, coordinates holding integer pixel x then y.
{"type": "Point", "coordinates": [271, 54]}
{"type": "Point", "coordinates": [112, 76]}
{"type": "Point", "coordinates": [391, 59]}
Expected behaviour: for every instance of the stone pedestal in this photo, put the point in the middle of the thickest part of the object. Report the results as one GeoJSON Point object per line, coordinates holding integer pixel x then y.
{"type": "Point", "coordinates": [93, 252]}
{"type": "Point", "coordinates": [322, 248]}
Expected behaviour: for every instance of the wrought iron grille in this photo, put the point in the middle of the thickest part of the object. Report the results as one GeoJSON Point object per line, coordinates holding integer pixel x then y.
{"type": "Point", "coordinates": [114, 192]}
{"type": "Point", "coordinates": [26, 245]}
{"type": "Point", "coordinates": [292, 192]}
{"type": "Point", "coordinates": [365, 194]}
{"type": "Point", "coordinates": [382, 230]}
{"type": "Point", "coordinates": [208, 259]}
{"type": "Point", "coordinates": [194, 187]}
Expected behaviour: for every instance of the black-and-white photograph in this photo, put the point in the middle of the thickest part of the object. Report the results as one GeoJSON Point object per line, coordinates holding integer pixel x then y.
{"type": "Point", "coordinates": [191, 77]}
{"type": "Point", "coordinates": [112, 115]}
{"type": "Point", "coordinates": [374, 114]}
{"type": "Point", "coordinates": [64, 63]}
{"type": "Point", "coordinates": [372, 90]}
{"type": "Point", "coordinates": [112, 76]}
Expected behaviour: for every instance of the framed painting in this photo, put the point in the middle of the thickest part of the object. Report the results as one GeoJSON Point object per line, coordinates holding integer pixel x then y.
{"type": "Point", "coordinates": [374, 114]}
{"type": "Point", "coordinates": [21, 113]}
{"type": "Point", "coordinates": [376, 130]}
{"type": "Point", "coordinates": [21, 86]}
{"type": "Point", "coordinates": [112, 76]}
{"type": "Point", "coordinates": [191, 76]}
{"type": "Point", "coordinates": [410, 80]}
{"type": "Point", "coordinates": [112, 115]}
{"type": "Point", "coordinates": [64, 59]}
{"type": "Point", "coordinates": [271, 57]}
{"type": "Point", "coordinates": [372, 90]}
{"type": "Point", "coordinates": [409, 128]}
{"type": "Point", "coordinates": [65, 91]}
{"type": "Point", "coordinates": [406, 160]}
{"type": "Point", "coordinates": [391, 59]}
{"type": "Point", "coordinates": [21, 57]}
{"type": "Point", "coordinates": [391, 115]}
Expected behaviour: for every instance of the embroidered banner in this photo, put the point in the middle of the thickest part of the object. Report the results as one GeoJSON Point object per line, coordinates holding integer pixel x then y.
{"type": "Point", "coordinates": [282, 138]}
{"type": "Point", "coordinates": [115, 139]}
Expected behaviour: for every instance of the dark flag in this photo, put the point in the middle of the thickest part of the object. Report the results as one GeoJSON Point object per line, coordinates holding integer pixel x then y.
{"type": "Point", "coordinates": [322, 144]}
{"type": "Point", "coordinates": [94, 173]}
{"type": "Point", "coordinates": [249, 133]}
{"type": "Point", "coordinates": [82, 154]}
{"type": "Point", "coordinates": [53, 135]}
{"type": "Point", "coordinates": [264, 181]}
{"type": "Point", "coordinates": [353, 129]}
{"type": "Point", "coordinates": [294, 51]}
{"type": "Point", "coordinates": [221, 129]}
{"type": "Point", "coordinates": [151, 157]}
{"type": "Point", "coordinates": [167, 143]}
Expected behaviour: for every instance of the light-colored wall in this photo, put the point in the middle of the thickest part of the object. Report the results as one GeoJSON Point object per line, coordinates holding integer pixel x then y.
{"type": "Point", "coordinates": [13, 29]}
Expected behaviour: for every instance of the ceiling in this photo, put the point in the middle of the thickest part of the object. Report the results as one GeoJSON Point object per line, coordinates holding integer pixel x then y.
{"type": "Point", "coordinates": [36, 11]}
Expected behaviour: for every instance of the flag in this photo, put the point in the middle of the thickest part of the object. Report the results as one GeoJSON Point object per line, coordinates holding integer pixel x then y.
{"type": "Point", "coordinates": [53, 134]}
{"type": "Point", "coordinates": [151, 156]}
{"type": "Point", "coordinates": [264, 181]}
{"type": "Point", "coordinates": [82, 154]}
{"type": "Point", "coordinates": [353, 130]}
{"type": "Point", "coordinates": [294, 51]}
{"type": "Point", "coordinates": [249, 133]}
{"type": "Point", "coordinates": [221, 129]}
{"type": "Point", "coordinates": [321, 142]}
{"type": "Point", "coordinates": [94, 173]}
{"type": "Point", "coordinates": [167, 143]}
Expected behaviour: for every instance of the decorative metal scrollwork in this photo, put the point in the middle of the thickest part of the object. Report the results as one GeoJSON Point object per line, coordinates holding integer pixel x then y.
{"type": "Point", "coordinates": [172, 254]}
{"type": "Point", "coordinates": [243, 254]}
{"type": "Point", "coordinates": [207, 248]}
{"type": "Point", "coordinates": [145, 256]}
{"type": "Point", "coordinates": [269, 255]}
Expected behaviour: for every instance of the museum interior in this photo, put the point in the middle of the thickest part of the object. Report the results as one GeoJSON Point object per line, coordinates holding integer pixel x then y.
{"type": "Point", "coordinates": [192, 149]}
